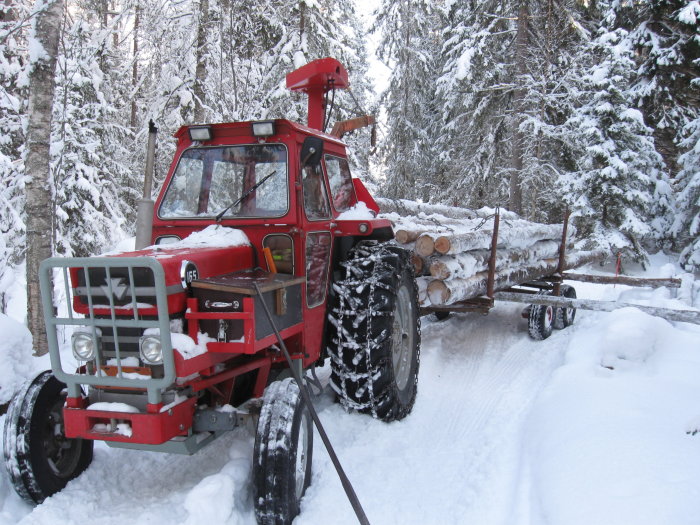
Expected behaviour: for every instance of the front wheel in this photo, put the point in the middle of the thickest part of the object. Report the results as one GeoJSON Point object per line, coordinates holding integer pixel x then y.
{"type": "Point", "coordinates": [39, 459]}
{"type": "Point", "coordinates": [376, 345]}
{"type": "Point", "coordinates": [283, 453]}
{"type": "Point", "coordinates": [540, 321]}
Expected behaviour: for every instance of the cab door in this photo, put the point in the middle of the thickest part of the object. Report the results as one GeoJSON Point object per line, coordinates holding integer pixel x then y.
{"type": "Point", "coordinates": [317, 246]}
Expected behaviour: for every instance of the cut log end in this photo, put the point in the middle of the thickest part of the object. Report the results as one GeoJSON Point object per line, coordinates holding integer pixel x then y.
{"type": "Point", "coordinates": [439, 270]}
{"type": "Point", "coordinates": [418, 264]}
{"type": "Point", "coordinates": [438, 292]}
{"type": "Point", "coordinates": [425, 246]}
{"type": "Point", "coordinates": [443, 244]}
{"type": "Point", "coordinates": [406, 236]}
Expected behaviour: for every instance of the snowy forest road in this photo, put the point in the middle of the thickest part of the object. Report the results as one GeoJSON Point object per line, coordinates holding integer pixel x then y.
{"type": "Point", "coordinates": [455, 458]}
{"type": "Point", "coordinates": [470, 451]}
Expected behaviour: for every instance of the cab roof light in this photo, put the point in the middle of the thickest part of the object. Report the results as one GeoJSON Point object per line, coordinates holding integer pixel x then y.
{"type": "Point", "coordinates": [200, 133]}
{"type": "Point", "coordinates": [264, 128]}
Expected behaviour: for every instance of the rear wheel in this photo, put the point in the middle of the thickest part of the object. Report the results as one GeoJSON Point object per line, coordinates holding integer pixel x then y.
{"type": "Point", "coordinates": [283, 453]}
{"type": "Point", "coordinates": [375, 351]}
{"type": "Point", "coordinates": [39, 459]}
{"type": "Point", "coordinates": [565, 316]}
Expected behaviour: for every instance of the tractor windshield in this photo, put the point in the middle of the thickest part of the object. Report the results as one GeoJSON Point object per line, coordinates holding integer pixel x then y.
{"type": "Point", "coordinates": [250, 180]}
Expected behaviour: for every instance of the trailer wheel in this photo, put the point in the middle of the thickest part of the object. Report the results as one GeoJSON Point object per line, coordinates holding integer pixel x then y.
{"type": "Point", "coordinates": [540, 320]}
{"type": "Point", "coordinates": [564, 317]}
{"type": "Point", "coordinates": [39, 459]}
{"type": "Point", "coordinates": [375, 355]}
{"type": "Point", "coordinates": [441, 315]}
{"type": "Point", "coordinates": [283, 454]}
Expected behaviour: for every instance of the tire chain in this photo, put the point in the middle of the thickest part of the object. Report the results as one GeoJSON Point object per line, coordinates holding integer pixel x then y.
{"type": "Point", "coordinates": [369, 264]}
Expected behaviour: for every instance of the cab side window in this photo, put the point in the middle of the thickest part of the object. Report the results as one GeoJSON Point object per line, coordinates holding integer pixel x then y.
{"type": "Point", "coordinates": [340, 181]}
{"type": "Point", "coordinates": [316, 203]}
{"type": "Point", "coordinates": [282, 250]}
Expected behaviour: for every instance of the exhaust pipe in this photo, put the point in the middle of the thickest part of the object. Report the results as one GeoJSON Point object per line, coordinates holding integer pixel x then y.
{"type": "Point", "coordinates": [144, 213]}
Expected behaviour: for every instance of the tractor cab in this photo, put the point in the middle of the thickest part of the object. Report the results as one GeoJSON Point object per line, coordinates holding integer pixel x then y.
{"type": "Point", "coordinates": [287, 187]}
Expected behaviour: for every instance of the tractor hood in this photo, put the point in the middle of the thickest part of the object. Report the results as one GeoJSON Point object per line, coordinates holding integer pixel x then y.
{"type": "Point", "coordinates": [214, 251]}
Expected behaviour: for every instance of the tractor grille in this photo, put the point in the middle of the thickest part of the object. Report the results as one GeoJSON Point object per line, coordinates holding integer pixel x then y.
{"type": "Point", "coordinates": [122, 285]}
{"type": "Point", "coordinates": [128, 338]}
{"type": "Point", "coordinates": [112, 292]}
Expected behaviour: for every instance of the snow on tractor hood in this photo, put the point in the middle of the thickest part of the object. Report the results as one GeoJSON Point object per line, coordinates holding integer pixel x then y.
{"type": "Point", "coordinates": [216, 250]}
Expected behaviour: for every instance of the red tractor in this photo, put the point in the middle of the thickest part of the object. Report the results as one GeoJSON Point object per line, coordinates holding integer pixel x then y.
{"type": "Point", "coordinates": [261, 239]}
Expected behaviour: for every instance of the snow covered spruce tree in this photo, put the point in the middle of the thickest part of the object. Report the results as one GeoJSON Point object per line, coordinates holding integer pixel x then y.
{"type": "Point", "coordinates": [89, 160]}
{"type": "Point", "coordinates": [505, 91]}
{"type": "Point", "coordinates": [668, 89]}
{"type": "Point", "coordinates": [473, 106]}
{"type": "Point", "coordinates": [410, 45]}
{"type": "Point", "coordinates": [619, 194]}
{"type": "Point", "coordinates": [13, 94]}
{"type": "Point", "coordinates": [666, 37]}
{"type": "Point", "coordinates": [687, 224]}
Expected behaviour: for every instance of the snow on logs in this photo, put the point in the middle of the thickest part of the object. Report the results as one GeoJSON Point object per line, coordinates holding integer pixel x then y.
{"type": "Point", "coordinates": [467, 264]}
{"type": "Point", "coordinates": [451, 249]}
{"type": "Point", "coordinates": [445, 292]}
{"type": "Point", "coordinates": [513, 234]}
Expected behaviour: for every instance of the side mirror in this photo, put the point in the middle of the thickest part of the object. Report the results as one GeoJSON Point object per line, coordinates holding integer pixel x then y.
{"type": "Point", "coordinates": [311, 151]}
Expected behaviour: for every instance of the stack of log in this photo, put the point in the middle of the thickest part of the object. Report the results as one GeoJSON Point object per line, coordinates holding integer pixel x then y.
{"type": "Point", "coordinates": [452, 248]}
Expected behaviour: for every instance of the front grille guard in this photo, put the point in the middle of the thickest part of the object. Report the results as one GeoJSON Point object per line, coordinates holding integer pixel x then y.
{"type": "Point", "coordinates": [153, 386]}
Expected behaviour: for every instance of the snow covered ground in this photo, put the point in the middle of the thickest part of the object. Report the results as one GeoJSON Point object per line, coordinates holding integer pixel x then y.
{"type": "Point", "coordinates": [591, 426]}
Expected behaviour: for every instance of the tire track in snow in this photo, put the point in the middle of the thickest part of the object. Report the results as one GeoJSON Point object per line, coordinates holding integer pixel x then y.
{"type": "Point", "coordinates": [512, 373]}
{"type": "Point", "coordinates": [457, 453]}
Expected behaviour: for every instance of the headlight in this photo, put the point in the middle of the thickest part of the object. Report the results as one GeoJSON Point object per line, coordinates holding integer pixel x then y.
{"type": "Point", "coordinates": [200, 133]}
{"type": "Point", "coordinates": [151, 349]}
{"type": "Point", "coordinates": [264, 128]}
{"type": "Point", "coordinates": [83, 346]}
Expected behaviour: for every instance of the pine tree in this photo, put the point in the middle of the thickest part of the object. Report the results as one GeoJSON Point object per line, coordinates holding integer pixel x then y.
{"type": "Point", "coordinates": [411, 45]}
{"type": "Point", "coordinates": [88, 163]}
{"type": "Point", "coordinates": [505, 90]}
{"type": "Point", "coordinates": [619, 190]}
{"type": "Point", "coordinates": [666, 36]}
{"type": "Point", "coordinates": [687, 224]}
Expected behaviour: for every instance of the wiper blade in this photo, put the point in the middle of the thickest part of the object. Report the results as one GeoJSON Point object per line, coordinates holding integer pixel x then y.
{"type": "Point", "coordinates": [240, 199]}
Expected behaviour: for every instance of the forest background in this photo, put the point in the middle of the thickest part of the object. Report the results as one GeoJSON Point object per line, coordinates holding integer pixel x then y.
{"type": "Point", "coordinates": [532, 105]}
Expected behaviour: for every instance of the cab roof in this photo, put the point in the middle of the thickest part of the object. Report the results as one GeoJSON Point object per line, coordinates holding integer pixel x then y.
{"type": "Point", "coordinates": [224, 130]}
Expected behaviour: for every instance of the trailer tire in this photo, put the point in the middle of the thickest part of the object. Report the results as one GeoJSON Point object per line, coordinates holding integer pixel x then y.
{"type": "Point", "coordinates": [441, 315]}
{"type": "Point", "coordinates": [540, 321]}
{"type": "Point", "coordinates": [283, 454]}
{"type": "Point", "coordinates": [564, 317]}
{"type": "Point", "coordinates": [40, 460]}
{"type": "Point", "coordinates": [375, 355]}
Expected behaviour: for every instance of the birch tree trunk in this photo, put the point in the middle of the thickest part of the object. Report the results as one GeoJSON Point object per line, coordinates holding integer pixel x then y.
{"type": "Point", "coordinates": [43, 44]}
